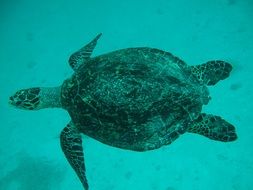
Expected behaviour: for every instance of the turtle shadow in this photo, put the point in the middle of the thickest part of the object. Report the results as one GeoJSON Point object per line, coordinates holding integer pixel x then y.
{"type": "Point", "coordinates": [32, 173]}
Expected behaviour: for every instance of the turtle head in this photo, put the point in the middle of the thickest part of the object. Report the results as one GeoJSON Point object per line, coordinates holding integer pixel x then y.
{"type": "Point", "coordinates": [28, 99]}
{"type": "Point", "coordinates": [37, 98]}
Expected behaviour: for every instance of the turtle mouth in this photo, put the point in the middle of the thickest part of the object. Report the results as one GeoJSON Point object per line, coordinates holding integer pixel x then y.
{"type": "Point", "coordinates": [11, 99]}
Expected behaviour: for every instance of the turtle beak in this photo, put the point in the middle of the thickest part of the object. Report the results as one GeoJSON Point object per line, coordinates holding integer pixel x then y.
{"type": "Point", "coordinates": [11, 100]}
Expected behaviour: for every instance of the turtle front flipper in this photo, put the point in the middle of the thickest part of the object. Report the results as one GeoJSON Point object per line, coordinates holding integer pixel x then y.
{"type": "Point", "coordinates": [71, 144]}
{"type": "Point", "coordinates": [213, 127]}
{"type": "Point", "coordinates": [211, 72]}
{"type": "Point", "coordinates": [82, 55]}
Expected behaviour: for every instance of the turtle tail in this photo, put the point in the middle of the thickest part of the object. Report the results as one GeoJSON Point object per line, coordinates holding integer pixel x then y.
{"type": "Point", "coordinates": [211, 72]}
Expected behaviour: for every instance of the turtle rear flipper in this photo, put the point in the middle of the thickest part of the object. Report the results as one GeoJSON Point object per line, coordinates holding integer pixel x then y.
{"type": "Point", "coordinates": [211, 72]}
{"type": "Point", "coordinates": [213, 127]}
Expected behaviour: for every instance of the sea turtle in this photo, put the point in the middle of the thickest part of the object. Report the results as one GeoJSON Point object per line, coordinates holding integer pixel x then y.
{"type": "Point", "coordinates": [136, 98]}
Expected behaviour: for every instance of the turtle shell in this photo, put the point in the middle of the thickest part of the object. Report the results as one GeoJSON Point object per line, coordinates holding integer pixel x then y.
{"type": "Point", "coordinates": [126, 97]}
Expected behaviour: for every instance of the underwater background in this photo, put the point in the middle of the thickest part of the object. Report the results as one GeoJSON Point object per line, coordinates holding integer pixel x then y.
{"type": "Point", "coordinates": [37, 38]}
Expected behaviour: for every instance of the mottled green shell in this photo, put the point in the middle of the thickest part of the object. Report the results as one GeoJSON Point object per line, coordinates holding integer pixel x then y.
{"type": "Point", "coordinates": [133, 97]}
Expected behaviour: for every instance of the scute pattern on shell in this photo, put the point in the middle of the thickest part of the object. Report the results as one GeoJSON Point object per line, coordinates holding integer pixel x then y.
{"type": "Point", "coordinates": [133, 98]}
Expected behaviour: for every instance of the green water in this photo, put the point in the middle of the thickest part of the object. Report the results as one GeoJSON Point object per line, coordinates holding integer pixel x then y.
{"type": "Point", "coordinates": [37, 38]}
